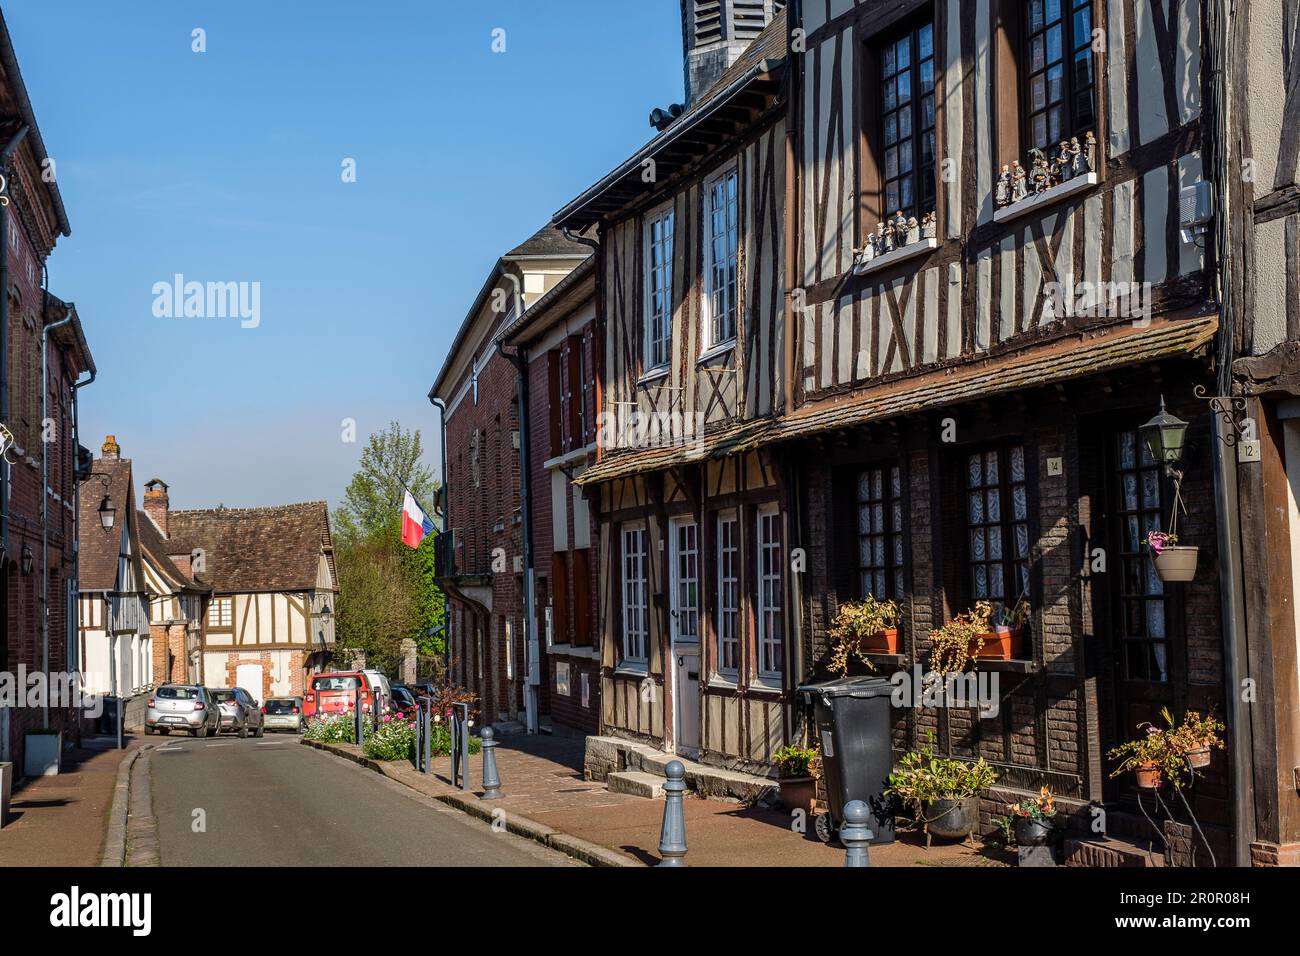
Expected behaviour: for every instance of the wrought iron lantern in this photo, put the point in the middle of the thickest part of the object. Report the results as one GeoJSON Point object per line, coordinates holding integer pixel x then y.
{"type": "Point", "coordinates": [1164, 435]}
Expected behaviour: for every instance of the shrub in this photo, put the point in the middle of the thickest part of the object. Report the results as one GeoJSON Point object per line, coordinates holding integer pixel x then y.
{"type": "Point", "coordinates": [855, 621]}
{"type": "Point", "coordinates": [955, 645]}
{"type": "Point", "coordinates": [794, 762]}
{"type": "Point", "coordinates": [923, 778]}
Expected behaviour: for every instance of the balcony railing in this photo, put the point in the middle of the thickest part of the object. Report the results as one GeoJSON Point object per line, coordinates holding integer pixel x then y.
{"type": "Point", "coordinates": [463, 551]}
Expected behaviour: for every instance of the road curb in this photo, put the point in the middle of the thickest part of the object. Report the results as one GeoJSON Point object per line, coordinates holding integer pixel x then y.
{"type": "Point", "coordinates": [114, 853]}
{"type": "Point", "coordinates": [592, 854]}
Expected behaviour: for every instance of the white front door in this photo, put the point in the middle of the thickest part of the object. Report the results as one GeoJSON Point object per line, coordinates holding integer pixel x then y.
{"type": "Point", "coordinates": [684, 615]}
{"type": "Point", "coordinates": [249, 677]}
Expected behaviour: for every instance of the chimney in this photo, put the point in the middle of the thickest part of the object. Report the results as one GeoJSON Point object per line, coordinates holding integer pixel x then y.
{"type": "Point", "coordinates": [715, 33]}
{"type": "Point", "coordinates": [111, 450]}
{"type": "Point", "coordinates": [156, 503]}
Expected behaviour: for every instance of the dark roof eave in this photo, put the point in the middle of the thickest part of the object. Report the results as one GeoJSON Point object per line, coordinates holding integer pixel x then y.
{"type": "Point", "coordinates": [572, 215]}
{"type": "Point", "coordinates": [532, 323]}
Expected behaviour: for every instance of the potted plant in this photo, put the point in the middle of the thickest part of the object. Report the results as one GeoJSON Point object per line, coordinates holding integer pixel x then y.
{"type": "Point", "coordinates": [42, 752]}
{"type": "Point", "coordinates": [869, 626]}
{"type": "Point", "coordinates": [1174, 562]}
{"type": "Point", "coordinates": [1032, 819]}
{"type": "Point", "coordinates": [958, 642]}
{"type": "Point", "coordinates": [1196, 736]}
{"type": "Point", "coordinates": [795, 777]}
{"type": "Point", "coordinates": [943, 793]}
{"type": "Point", "coordinates": [1005, 638]}
{"type": "Point", "coordinates": [1156, 758]}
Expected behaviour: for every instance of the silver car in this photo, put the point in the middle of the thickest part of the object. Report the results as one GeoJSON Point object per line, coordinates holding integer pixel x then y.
{"type": "Point", "coordinates": [284, 713]}
{"type": "Point", "coordinates": [182, 707]}
{"type": "Point", "coordinates": [239, 712]}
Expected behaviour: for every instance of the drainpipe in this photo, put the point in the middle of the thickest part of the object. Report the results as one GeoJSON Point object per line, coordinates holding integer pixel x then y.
{"type": "Point", "coordinates": [531, 643]}
{"type": "Point", "coordinates": [443, 501]}
{"type": "Point", "coordinates": [5, 155]}
{"type": "Point", "coordinates": [74, 634]}
{"type": "Point", "coordinates": [45, 486]}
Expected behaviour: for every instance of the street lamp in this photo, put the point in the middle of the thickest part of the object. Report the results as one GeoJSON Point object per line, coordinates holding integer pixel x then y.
{"type": "Point", "coordinates": [1164, 436]}
{"type": "Point", "coordinates": [107, 510]}
{"type": "Point", "coordinates": [28, 560]}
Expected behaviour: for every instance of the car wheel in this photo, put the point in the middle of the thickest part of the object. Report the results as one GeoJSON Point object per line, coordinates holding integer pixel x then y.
{"type": "Point", "coordinates": [201, 732]}
{"type": "Point", "coordinates": [259, 731]}
{"type": "Point", "coordinates": [243, 730]}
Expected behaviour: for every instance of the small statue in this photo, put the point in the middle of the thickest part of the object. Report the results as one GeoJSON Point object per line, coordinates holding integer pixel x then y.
{"type": "Point", "coordinates": [913, 230]}
{"type": "Point", "coordinates": [928, 224]}
{"type": "Point", "coordinates": [1040, 175]}
{"type": "Point", "coordinates": [888, 233]}
{"type": "Point", "coordinates": [868, 250]}
{"type": "Point", "coordinates": [1019, 187]}
{"type": "Point", "coordinates": [900, 228]}
{"type": "Point", "coordinates": [1077, 165]}
{"type": "Point", "coordinates": [1063, 170]}
{"type": "Point", "coordinates": [1002, 195]}
{"type": "Point", "coordinates": [1090, 150]}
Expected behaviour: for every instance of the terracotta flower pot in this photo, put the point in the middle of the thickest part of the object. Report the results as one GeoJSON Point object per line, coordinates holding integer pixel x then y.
{"type": "Point", "coordinates": [1176, 563]}
{"type": "Point", "coordinates": [1200, 757]}
{"type": "Point", "coordinates": [882, 642]}
{"type": "Point", "coordinates": [1008, 645]}
{"type": "Point", "coordinates": [1148, 776]}
{"type": "Point", "coordinates": [799, 793]}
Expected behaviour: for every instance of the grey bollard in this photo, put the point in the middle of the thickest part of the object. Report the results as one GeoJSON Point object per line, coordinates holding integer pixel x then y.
{"type": "Point", "coordinates": [855, 835]}
{"type": "Point", "coordinates": [491, 779]}
{"type": "Point", "coordinates": [672, 837]}
{"type": "Point", "coordinates": [358, 722]}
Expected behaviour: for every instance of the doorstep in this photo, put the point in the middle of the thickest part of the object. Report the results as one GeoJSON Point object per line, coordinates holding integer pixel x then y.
{"type": "Point", "coordinates": [636, 783]}
{"type": "Point", "coordinates": [1110, 852]}
{"type": "Point", "coordinates": [607, 757]}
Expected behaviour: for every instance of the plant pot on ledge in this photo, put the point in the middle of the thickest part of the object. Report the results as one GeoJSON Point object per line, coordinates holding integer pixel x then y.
{"type": "Point", "coordinates": [1007, 644]}
{"type": "Point", "coordinates": [882, 642]}
{"type": "Point", "coordinates": [799, 793]}
{"type": "Point", "coordinates": [1176, 562]}
{"type": "Point", "coordinates": [1148, 776]}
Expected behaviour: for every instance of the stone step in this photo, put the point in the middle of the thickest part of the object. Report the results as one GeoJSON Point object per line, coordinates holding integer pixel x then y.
{"type": "Point", "coordinates": [636, 783]}
{"type": "Point", "coordinates": [607, 756]}
{"type": "Point", "coordinates": [1111, 852]}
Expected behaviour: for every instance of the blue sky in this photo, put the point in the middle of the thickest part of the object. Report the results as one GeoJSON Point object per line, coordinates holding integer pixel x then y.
{"type": "Point", "coordinates": [226, 166]}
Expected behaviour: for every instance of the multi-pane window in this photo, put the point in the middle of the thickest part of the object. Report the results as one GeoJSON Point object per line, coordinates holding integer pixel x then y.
{"type": "Point", "coordinates": [880, 533]}
{"type": "Point", "coordinates": [635, 605]}
{"type": "Point", "coordinates": [728, 594]}
{"type": "Point", "coordinates": [907, 111]}
{"type": "Point", "coordinates": [771, 600]}
{"type": "Point", "coordinates": [1059, 74]}
{"type": "Point", "coordinates": [1142, 622]}
{"type": "Point", "coordinates": [686, 606]}
{"type": "Point", "coordinates": [658, 288]}
{"type": "Point", "coordinates": [219, 612]}
{"type": "Point", "coordinates": [997, 518]}
{"type": "Point", "coordinates": [720, 258]}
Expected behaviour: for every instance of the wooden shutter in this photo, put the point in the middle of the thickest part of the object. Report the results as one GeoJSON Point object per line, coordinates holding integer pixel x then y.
{"type": "Point", "coordinates": [573, 392]}
{"type": "Point", "coordinates": [583, 631]}
{"type": "Point", "coordinates": [553, 387]}
{"type": "Point", "coordinates": [560, 596]}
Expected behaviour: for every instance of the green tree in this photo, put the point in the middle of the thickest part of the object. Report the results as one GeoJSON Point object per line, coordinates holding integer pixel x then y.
{"type": "Point", "coordinates": [390, 465]}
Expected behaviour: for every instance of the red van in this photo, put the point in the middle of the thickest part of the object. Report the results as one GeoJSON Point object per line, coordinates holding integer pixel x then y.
{"type": "Point", "coordinates": [335, 693]}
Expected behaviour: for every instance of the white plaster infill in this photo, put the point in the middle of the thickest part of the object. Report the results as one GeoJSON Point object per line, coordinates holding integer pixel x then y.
{"type": "Point", "coordinates": [909, 251]}
{"type": "Point", "coordinates": [1047, 197]}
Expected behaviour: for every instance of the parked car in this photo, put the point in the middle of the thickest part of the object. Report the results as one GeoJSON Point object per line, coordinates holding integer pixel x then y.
{"type": "Point", "coordinates": [335, 693]}
{"type": "Point", "coordinates": [182, 707]}
{"type": "Point", "coordinates": [378, 680]}
{"type": "Point", "coordinates": [239, 712]}
{"type": "Point", "coordinates": [403, 698]}
{"type": "Point", "coordinates": [424, 689]}
{"type": "Point", "coordinates": [284, 713]}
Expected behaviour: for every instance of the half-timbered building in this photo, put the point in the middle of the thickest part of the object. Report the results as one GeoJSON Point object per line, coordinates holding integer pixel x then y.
{"type": "Point", "coordinates": [178, 601]}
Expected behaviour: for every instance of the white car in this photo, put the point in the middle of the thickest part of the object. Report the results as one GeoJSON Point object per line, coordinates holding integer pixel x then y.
{"type": "Point", "coordinates": [376, 679]}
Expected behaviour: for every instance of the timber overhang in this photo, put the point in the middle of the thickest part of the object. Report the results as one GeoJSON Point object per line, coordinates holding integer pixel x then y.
{"type": "Point", "coordinates": [1075, 355]}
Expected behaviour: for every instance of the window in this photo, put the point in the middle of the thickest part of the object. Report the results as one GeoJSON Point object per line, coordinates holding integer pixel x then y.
{"type": "Point", "coordinates": [728, 594]}
{"type": "Point", "coordinates": [1059, 71]}
{"type": "Point", "coordinates": [686, 581]}
{"type": "Point", "coordinates": [907, 114]}
{"type": "Point", "coordinates": [635, 610]}
{"type": "Point", "coordinates": [880, 533]}
{"type": "Point", "coordinates": [1141, 594]}
{"type": "Point", "coordinates": [997, 515]}
{"type": "Point", "coordinates": [720, 258]}
{"type": "Point", "coordinates": [219, 612]}
{"type": "Point", "coordinates": [771, 599]}
{"type": "Point", "coordinates": [658, 288]}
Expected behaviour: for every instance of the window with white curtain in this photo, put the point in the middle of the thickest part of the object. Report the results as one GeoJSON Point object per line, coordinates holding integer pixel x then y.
{"type": "Point", "coordinates": [728, 594]}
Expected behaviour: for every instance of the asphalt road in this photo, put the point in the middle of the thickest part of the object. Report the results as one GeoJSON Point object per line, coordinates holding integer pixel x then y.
{"type": "Point", "coordinates": [274, 802]}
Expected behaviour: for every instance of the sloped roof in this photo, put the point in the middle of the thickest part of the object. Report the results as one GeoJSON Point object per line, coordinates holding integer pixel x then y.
{"type": "Point", "coordinates": [99, 546]}
{"type": "Point", "coordinates": [548, 241]}
{"type": "Point", "coordinates": [157, 550]}
{"type": "Point", "coordinates": [255, 549]}
{"type": "Point", "coordinates": [1074, 355]}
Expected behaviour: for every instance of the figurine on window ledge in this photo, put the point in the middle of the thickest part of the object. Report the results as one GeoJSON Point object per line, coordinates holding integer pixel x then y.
{"type": "Point", "coordinates": [1040, 175]}
{"type": "Point", "coordinates": [913, 230]}
{"type": "Point", "coordinates": [868, 250]}
{"type": "Point", "coordinates": [900, 229]}
{"type": "Point", "coordinates": [1019, 185]}
{"type": "Point", "coordinates": [1064, 169]}
{"type": "Point", "coordinates": [1002, 195]}
{"type": "Point", "coordinates": [1090, 150]}
{"type": "Point", "coordinates": [886, 231]}
{"type": "Point", "coordinates": [1077, 166]}
{"type": "Point", "coordinates": [928, 225]}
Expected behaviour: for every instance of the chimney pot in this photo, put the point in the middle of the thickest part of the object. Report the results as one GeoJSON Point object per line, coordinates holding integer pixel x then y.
{"type": "Point", "coordinates": [111, 450]}
{"type": "Point", "coordinates": [156, 503]}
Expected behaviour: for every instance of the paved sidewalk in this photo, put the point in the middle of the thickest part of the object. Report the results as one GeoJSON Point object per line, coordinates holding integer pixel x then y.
{"type": "Point", "coordinates": [542, 780]}
{"type": "Point", "coordinates": [60, 820]}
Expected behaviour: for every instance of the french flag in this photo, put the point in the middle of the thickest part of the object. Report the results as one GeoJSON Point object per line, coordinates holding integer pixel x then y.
{"type": "Point", "coordinates": [415, 523]}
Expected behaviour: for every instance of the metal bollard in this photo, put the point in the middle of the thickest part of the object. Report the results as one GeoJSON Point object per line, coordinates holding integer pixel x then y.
{"type": "Point", "coordinates": [672, 836]}
{"type": "Point", "coordinates": [491, 779]}
{"type": "Point", "coordinates": [855, 835]}
{"type": "Point", "coordinates": [358, 727]}
{"type": "Point", "coordinates": [426, 720]}
{"type": "Point", "coordinates": [376, 709]}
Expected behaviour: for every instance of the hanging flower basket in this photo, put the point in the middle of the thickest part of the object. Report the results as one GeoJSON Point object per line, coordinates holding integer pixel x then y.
{"type": "Point", "coordinates": [1148, 776]}
{"type": "Point", "coordinates": [1174, 562]}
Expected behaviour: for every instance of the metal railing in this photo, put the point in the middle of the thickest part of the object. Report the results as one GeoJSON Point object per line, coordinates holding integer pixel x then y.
{"type": "Point", "coordinates": [463, 551]}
